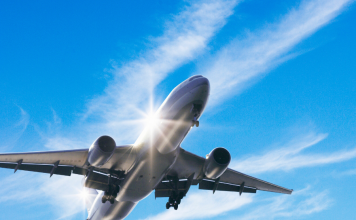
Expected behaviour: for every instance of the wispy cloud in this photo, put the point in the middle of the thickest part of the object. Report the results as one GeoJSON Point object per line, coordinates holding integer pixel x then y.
{"type": "Point", "coordinates": [14, 131]}
{"type": "Point", "coordinates": [241, 62]}
{"type": "Point", "coordinates": [205, 204]}
{"type": "Point", "coordinates": [291, 156]}
{"type": "Point", "coordinates": [303, 202]}
{"type": "Point", "coordinates": [64, 193]}
{"type": "Point", "coordinates": [185, 36]}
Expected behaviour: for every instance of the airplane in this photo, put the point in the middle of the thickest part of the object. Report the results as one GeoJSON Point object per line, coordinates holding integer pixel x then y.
{"type": "Point", "coordinates": [118, 177]}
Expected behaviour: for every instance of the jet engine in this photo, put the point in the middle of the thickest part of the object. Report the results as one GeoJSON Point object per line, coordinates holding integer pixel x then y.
{"type": "Point", "coordinates": [216, 163]}
{"type": "Point", "coordinates": [101, 151]}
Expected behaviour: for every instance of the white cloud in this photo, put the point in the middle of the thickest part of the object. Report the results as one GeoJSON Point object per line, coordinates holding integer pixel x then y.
{"type": "Point", "coordinates": [290, 157]}
{"type": "Point", "coordinates": [301, 203]}
{"type": "Point", "coordinates": [10, 135]}
{"type": "Point", "coordinates": [205, 204]}
{"type": "Point", "coordinates": [242, 61]}
{"type": "Point", "coordinates": [184, 38]}
{"type": "Point", "coordinates": [34, 189]}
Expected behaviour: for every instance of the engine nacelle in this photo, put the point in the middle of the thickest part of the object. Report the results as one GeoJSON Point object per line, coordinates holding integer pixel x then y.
{"type": "Point", "coordinates": [216, 163]}
{"type": "Point", "coordinates": [101, 151]}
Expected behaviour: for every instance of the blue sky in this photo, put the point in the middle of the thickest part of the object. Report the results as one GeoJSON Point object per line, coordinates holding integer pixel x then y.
{"type": "Point", "coordinates": [282, 99]}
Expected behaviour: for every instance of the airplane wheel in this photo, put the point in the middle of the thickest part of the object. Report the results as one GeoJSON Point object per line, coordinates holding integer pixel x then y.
{"type": "Point", "coordinates": [112, 200]}
{"type": "Point", "coordinates": [197, 123]}
{"type": "Point", "coordinates": [168, 205]}
{"type": "Point", "coordinates": [103, 199]}
{"type": "Point", "coordinates": [176, 206]}
{"type": "Point", "coordinates": [178, 201]}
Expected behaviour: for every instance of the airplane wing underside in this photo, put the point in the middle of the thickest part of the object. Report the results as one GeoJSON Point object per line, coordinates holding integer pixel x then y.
{"type": "Point", "coordinates": [189, 170]}
{"type": "Point", "coordinates": [72, 161]}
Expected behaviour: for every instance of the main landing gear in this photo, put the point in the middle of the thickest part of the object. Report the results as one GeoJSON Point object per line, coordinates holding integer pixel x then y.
{"type": "Point", "coordinates": [110, 194]}
{"type": "Point", "coordinates": [108, 197]}
{"type": "Point", "coordinates": [174, 201]}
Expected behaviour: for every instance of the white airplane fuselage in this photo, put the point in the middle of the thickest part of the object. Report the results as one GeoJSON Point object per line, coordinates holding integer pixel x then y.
{"type": "Point", "coordinates": [157, 148]}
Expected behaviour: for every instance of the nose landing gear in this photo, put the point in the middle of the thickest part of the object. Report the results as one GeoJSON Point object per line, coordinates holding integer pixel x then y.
{"type": "Point", "coordinates": [196, 109]}
{"type": "Point", "coordinates": [195, 122]}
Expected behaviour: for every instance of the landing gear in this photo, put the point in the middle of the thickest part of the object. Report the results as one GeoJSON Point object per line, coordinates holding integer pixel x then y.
{"type": "Point", "coordinates": [196, 123]}
{"type": "Point", "coordinates": [104, 199]}
{"type": "Point", "coordinates": [112, 200]}
{"type": "Point", "coordinates": [196, 109]}
{"type": "Point", "coordinates": [174, 200]}
{"type": "Point", "coordinates": [111, 193]}
{"type": "Point", "coordinates": [174, 205]}
{"type": "Point", "coordinates": [107, 197]}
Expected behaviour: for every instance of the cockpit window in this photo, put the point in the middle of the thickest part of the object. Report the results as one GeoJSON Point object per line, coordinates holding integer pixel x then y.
{"type": "Point", "coordinates": [194, 77]}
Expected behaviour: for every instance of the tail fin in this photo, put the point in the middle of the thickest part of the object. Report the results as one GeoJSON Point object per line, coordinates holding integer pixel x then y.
{"type": "Point", "coordinates": [91, 194]}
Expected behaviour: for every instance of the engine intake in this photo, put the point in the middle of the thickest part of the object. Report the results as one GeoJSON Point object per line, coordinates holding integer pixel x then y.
{"type": "Point", "coordinates": [216, 163]}
{"type": "Point", "coordinates": [101, 151]}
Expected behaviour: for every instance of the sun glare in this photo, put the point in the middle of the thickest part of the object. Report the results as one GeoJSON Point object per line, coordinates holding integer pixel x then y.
{"type": "Point", "coordinates": [151, 120]}
{"type": "Point", "coordinates": [84, 194]}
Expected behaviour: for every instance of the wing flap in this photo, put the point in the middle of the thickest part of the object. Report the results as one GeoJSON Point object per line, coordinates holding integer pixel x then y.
{"type": "Point", "coordinates": [234, 177]}
{"type": "Point", "coordinates": [67, 157]}
{"type": "Point", "coordinates": [165, 189]}
{"type": "Point", "coordinates": [209, 185]}
{"type": "Point", "coordinates": [41, 168]}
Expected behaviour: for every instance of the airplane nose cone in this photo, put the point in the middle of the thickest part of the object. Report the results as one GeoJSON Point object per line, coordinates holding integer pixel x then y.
{"type": "Point", "coordinates": [202, 81]}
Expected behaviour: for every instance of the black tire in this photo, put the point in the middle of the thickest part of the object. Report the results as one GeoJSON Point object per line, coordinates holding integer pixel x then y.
{"type": "Point", "coordinates": [176, 206]}
{"type": "Point", "coordinates": [178, 201]}
{"type": "Point", "coordinates": [112, 200]}
{"type": "Point", "coordinates": [168, 205]}
{"type": "Point", "coordinates": [103, 199]}
{"type": "Point", "coordinates": [197, 123]}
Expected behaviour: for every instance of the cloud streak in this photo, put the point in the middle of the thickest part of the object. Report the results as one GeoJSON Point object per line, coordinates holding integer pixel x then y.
{"type": "Point", "coordinates": [302, 203]}
{"type": "Point", "coordinates": [241, 62]}
{"type": "Point", "coordinates": [14, 131]}
{"type": "Point", "coordinates": [185, 37]}
{"type": "Point", "coordinates": [290, 156]}
{"type": "Point", "coordinates": [205, 204]}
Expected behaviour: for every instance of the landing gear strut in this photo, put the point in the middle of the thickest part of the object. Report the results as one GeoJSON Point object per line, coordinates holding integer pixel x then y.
{"type": "Point", "coordinates": [111, 193]}
{"type": "Point", "coordinates": [196, 109]}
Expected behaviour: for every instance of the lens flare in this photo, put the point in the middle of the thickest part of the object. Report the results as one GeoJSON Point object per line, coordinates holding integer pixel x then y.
{"type": "Point", "coordinates": [151, 120]}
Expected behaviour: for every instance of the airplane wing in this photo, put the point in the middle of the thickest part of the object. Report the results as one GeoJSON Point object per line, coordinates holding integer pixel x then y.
{"type": "Point", "coordinates": [72, 161]}
{"type": "Point", "coordinates": [231, 180]}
